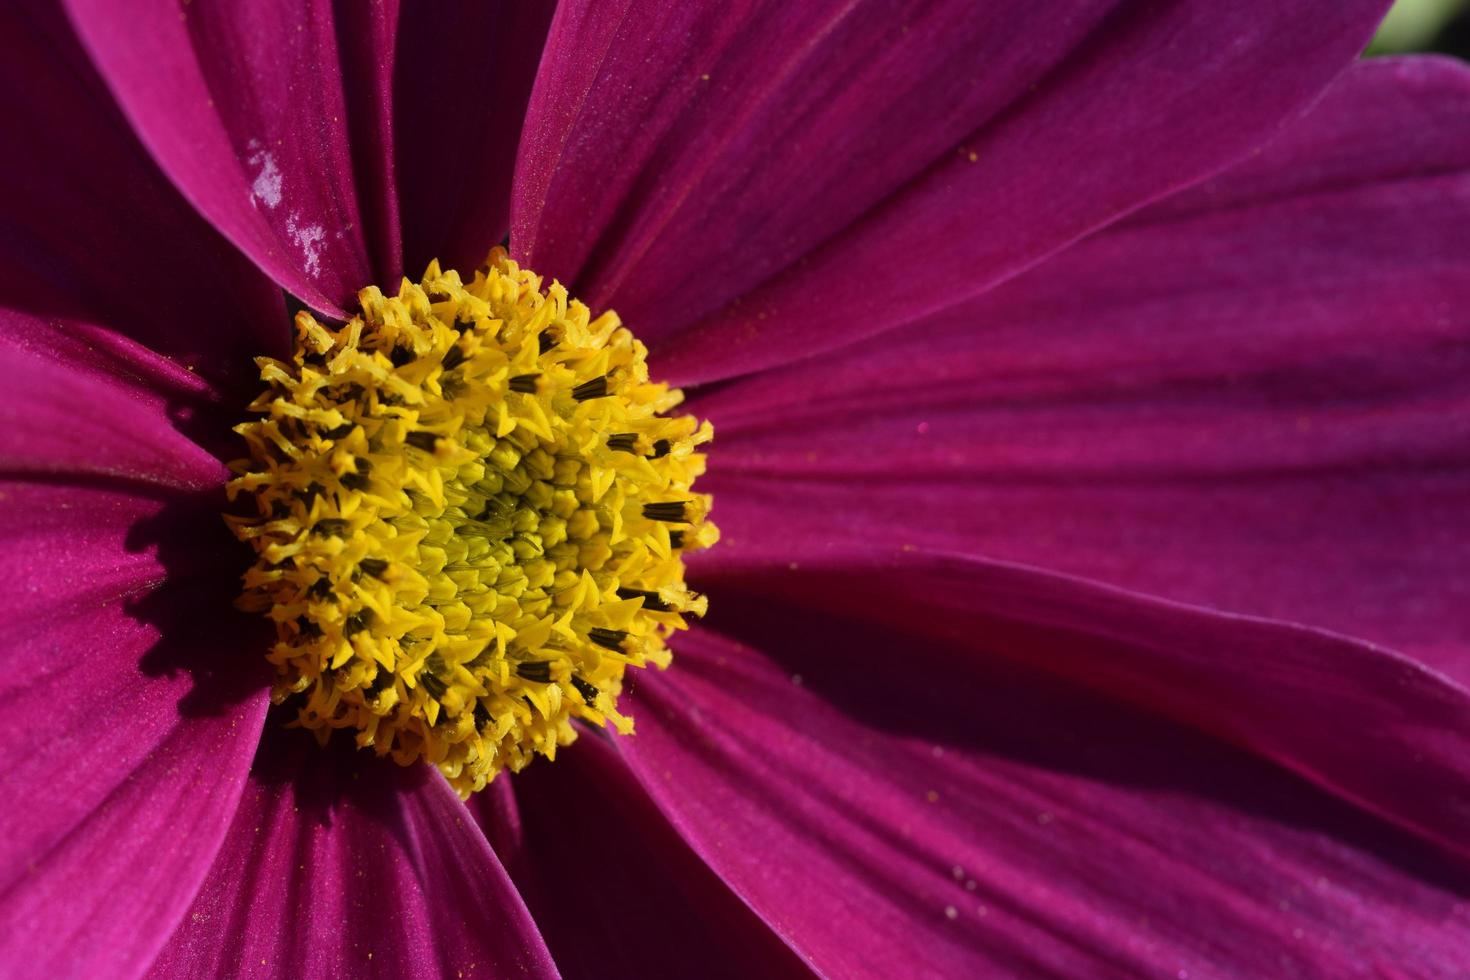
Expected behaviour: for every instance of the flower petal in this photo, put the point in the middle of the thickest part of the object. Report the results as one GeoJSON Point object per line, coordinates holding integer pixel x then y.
{"type": "Point", "coordinates": [454, 166]}
{"type": "Point", "coordinates": [83, 401]}
{"type": "Point", "coordinates": [93, 230]}
{"type": "Point", "coordinates": [130, 716]}
{"type": "Point", "coordinates": [1280, 690]}
{"type": "Point", "coordinates": [255, 115]}
{"type": "Point", "coordinates": [655, 910]}
{"type": "Point", "coordinates": [343, 864]}
{"type": "Point", "coordinates": [866, 163]}
{"type": "Point", "coordinates": [367, 34]}
{"type": "Point", "coordinates": [1251, 397]}
{"type": "Point", "coordinates": [979, 818]}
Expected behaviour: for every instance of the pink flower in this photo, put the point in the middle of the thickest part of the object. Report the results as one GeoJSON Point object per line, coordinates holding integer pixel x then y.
{"type": "Point", "coordinates": [1093, 464]}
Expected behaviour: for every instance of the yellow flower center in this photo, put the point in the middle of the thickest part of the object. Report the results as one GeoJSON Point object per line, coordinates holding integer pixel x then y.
{"type": "Point", "coordinates": [470, 512]}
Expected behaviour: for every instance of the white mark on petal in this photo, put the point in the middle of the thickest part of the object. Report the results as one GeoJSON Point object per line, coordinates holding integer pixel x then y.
{"type": "Point", "coordinates": [309, 239]}
{"type": "Point", "coordinates": [266, 188]}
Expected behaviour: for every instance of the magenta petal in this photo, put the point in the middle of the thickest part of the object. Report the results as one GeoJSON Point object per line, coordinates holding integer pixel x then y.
{"type": "Point", "coordinates": [1251, 396]}
{"type": "Point", "coordinates": [341, 864]}
{"type": "Point", "coordinates": [82, 401]}
{"type": "Point", "coordinates": [366, 33]}
{"type": "Point", "coordinates": [868, 163]}
{"type": "Point", "coordinates": [656, 910]}
{"type": "Point", "coordinates": [93, 230]}
{"type": "Point", "coordinates": [900, 807]}
{"type": "Point", "coordinates": [464, 75]}
{"type": "Point", "coordinates": [1280, 690]}
{"type": "Point", "coordinates": [252, 113]}
{"type": "Point", "coordinates": [129, 725]}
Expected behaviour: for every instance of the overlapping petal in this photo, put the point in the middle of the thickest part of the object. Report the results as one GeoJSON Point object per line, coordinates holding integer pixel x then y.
{"type": "Point", "coordinates": [341, 864]}
{"type": "Point", "coordinates": [930, 799]}
{"type": "Point", "coordinates": [131, 723]}
{"type": "Point", "coordinates": [988, 768]}
{"type": "Point", "coordinates": [1370, 725]}
{"type": "Point", "coordinates": [644, 904]}
{"type": "Point", "coordinates": [84, 402]}
{"type": "Point", "coordinates": [133, 693]}
{"type": "Point", "coordinates": [867, 163]}
{"type": "Point", "coordinates": [463, 76]}
{"type": "Point", "coordinates": [256, 114]}
{"type": "Point", "coordinates": [92, 229]}
{"type": "Point", "coordinates": [1250, 396]}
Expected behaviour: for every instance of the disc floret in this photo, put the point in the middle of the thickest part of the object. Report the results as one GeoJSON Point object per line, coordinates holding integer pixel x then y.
{"type": "Point", "coordinates": [470, 515]}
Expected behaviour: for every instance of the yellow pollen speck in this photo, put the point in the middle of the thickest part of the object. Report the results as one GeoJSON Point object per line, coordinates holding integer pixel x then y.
{"type": "Point", "coordinates": [470, 512]}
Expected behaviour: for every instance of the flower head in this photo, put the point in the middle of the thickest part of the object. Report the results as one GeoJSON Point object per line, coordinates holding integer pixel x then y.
{"type": "Point", "coordinates": [1087, 376]}
{"type": "Point", "coordinates": [471, 515]}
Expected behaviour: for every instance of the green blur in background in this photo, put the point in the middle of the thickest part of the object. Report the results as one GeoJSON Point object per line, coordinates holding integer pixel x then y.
{"type": "Point", "coordinates": [1425, 25]}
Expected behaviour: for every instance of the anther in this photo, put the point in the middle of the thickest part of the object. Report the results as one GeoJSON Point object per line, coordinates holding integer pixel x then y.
{"type": "Point", "coordinates": [610, 639]}
{"type": "Point", "coordinates": [596, 388]}
{"type": "Point", "coordinates": [670, 512]}
{"type": "Point", "coordinates": [359, 479]}
{"type": "Point", "coordinates": [624, 442]}
{"type": "Point", "coordinates": [651, 600]}
{"type": "Point", "coordinates": [534, 670]}
{"type": "Point", "coordinates": [373, 566]}
{"type": "Point", "coordinates": [453, 358]}
{"type": "Point", "coordinates": [422, 440]}
{"type": "Point", "coordinates": [524, 383]}
{"type": "Point", "coordinates": [588, 691]}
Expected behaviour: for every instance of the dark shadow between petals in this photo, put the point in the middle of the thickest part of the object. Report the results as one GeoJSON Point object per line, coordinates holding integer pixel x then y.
{"type": "Point", "coordinates": [914, 688]}
{"type": "Point", "coordinates": [192, 609]}
{"type": "Point", "coordinates": [326, 779]}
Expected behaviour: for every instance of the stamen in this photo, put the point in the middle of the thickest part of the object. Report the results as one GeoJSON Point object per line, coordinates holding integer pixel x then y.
{"type": "Point", "coordinates": [624, 442]}
{"type": "Point", "coordinates": [524, 383]}
{"type": "Point", "coordinates": [610, 639]}
{"type": "Point", "coordinates": [588, 692]}
{"type": "Point", "coordinates": [456, 572]}
{"type": "Point", "coordinates": [596, 388]}
{"type": "Point", "coordinates": [535, 670]}
{"type": "Point", "coordinates": [651, 600]}
{"type": "Point", "coordinates": [670, 511]}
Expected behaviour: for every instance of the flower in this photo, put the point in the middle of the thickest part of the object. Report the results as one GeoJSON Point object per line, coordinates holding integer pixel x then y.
{"type": "Point", "coordinates": [1085, 375]}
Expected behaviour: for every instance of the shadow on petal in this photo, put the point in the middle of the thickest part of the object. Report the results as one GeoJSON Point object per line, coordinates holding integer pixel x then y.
{"type": "Point", "coordinates": [192, 607]}
{"type": "Point", "coordinates": [990, 818]}
{"type": "Point", "coordinates": [911, 688]}
{"type": "Point", "coordinates": [339, 863]}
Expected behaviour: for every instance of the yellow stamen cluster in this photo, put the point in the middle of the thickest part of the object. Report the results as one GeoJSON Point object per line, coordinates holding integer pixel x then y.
{"type": "Point", "coordinates": [470, 515]}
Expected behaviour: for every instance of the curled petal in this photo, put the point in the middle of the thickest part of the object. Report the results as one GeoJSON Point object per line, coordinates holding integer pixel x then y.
{"type": "Point", "coordinates": [898, 803]}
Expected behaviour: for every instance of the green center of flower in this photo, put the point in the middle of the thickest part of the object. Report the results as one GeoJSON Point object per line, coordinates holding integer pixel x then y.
{"type": "Point", "coordinates": [470, 515]}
